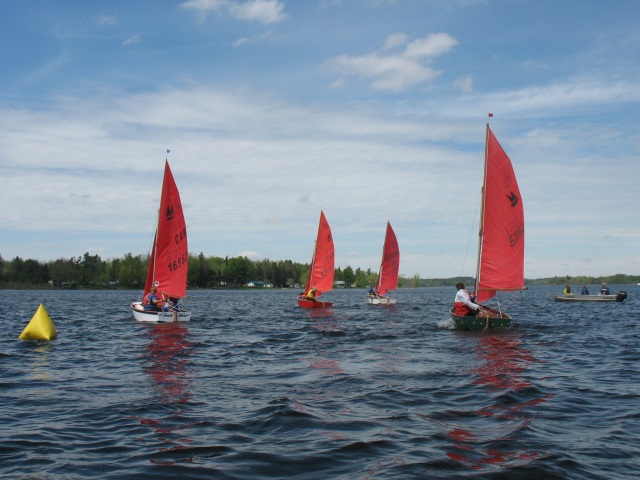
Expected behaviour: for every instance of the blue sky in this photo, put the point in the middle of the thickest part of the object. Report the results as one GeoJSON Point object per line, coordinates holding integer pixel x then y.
{"type": "Point", "coordinates": [370, 110]}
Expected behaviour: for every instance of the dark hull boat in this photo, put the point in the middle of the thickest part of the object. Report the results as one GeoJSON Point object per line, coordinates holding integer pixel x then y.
{"type": "Point", "coordinates": [500, 265]}
{"type": "Point", "coordinates": [494, 319]}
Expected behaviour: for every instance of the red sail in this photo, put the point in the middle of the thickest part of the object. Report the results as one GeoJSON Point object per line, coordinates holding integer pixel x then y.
{"type": "Point", "coordinates": [388, 277]}
{"type": "Point", "coordinates": [321, 272]}
{"type": "Point", "coordinates": [170, 253]}
{"type": "Point", "coordinates": [501, 263]}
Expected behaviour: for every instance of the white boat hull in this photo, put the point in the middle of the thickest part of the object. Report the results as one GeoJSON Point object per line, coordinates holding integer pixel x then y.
{"type": "Point", "coordinates": [151, 316]}
{"type": "Point", "coordinates": [382, 301]}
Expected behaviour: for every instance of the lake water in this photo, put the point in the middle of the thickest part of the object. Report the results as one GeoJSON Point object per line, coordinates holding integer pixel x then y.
{"type": "Point", "coordinates": [256, 388]}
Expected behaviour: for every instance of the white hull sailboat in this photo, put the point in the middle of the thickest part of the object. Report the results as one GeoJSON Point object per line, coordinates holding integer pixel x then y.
{"type": "Point", "coordinates": [389, 268]}
{"type": "Point", "coordinates": [168, 262]}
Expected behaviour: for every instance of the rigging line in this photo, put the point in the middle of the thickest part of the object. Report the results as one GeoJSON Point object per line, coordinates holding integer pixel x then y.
{"type": "Point", "coordinates": [466, 253]}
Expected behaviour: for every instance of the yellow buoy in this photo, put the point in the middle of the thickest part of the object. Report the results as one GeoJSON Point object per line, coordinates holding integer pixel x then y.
{"type": "Point", "coordinates": [40, 327]}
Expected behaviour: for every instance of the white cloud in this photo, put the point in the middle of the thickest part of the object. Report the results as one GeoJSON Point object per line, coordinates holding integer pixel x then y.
{"type": "Point", "coordinates": [397, 71]}
{"type": "Point", "coordinates": [132, 40]}
{"type": "Point", "coordinates": [431, 46]}
{"type": "Point", "coordinates": [254, 171]}
{"type": "Point", "coordinates": [262, 11]}
{"type": "Point", "coordinates": [464, 83]}
{"type": "Point", "coordinates": [241, 41]}
{"type": "Point", "coordinates": [394, 41]}
{"type": "Point", "coordinates": [106, 19]}
{"type": "Point", "coordinates": [251, 255]}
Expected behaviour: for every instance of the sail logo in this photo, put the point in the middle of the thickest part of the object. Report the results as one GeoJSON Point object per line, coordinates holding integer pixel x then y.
{"type": "Point", "coordinates": [169, 215]}
{"type": "Point", "coordinates": [513, 198]}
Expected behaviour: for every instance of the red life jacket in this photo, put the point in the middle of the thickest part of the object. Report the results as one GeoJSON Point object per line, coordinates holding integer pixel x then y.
{"type": "Point", "coordinates": [460, 309]}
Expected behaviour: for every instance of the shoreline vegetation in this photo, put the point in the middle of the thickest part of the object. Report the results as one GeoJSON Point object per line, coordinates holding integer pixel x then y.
{"type": "Point", "coordinates": [90, 272]}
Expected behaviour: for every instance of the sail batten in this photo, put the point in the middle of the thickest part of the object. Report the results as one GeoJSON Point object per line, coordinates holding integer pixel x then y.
{"type": "Point", "coordinates": [501, 243]}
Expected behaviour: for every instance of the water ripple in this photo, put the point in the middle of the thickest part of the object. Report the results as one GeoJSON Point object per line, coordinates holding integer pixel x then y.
{"type": "Point", "coordinates": [254, 387]}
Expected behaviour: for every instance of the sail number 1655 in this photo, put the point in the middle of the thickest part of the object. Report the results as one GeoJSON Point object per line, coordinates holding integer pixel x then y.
{"type": "Point", "coordinates": [178, 262]}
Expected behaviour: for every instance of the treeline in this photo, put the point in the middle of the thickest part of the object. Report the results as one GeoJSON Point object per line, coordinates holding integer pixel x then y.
{"type": "Point", "coordinates": [617, 279]}
{"type": "Point", "coordinates": [90, 271]}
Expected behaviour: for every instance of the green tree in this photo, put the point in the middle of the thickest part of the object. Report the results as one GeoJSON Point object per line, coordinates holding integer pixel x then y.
{"type": "Point", "coordinates": [348, 276]}
{"type": "Point", "coordinates": [239, 271]}
{"type": "Point", "coordinates": [133, 270]}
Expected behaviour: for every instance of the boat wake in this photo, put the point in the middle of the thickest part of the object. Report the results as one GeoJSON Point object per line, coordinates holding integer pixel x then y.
{"type": "Point", "coordinates": [446, 323]}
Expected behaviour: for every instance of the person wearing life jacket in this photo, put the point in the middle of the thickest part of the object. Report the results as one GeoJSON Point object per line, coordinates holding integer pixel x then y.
{"type": "Point", "coordinates": [604, 290]}
{"type": "Point", "coordinates": [567, 290]}
{"type": "Point", "coordinates": [311, 295]}
{"type": "Point", "coordinates": [462, 305]}
{"type": "Point", "coordinates": [154, 302]}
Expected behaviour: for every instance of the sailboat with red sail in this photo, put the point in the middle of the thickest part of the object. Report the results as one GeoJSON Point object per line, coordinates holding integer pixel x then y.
{"type": "Point", "coordinates": [320, 277]}
{"type": "Point", "coordinates": [389, 268]}
{"type": "Point", "coordinates": [168, 262]}
{"type": "Point", "coordinates": [500, 264]}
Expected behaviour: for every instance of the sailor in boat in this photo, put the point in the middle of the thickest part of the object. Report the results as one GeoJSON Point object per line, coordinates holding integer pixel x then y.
{"type": "Point", "coordinates": [154, 302]}
{"type": "Point", "coordinates": [311, 295]}
{"type": "Point", "coordinates": [604, 290]}
{"type": "Point", "coordinates": [372, 292]}
{"type": "Point", "coordinates": [462, 305]}
{"type": "Point", "coordinates": [567, 290]}
{"type": "Point", "coordinates": [585, 290]}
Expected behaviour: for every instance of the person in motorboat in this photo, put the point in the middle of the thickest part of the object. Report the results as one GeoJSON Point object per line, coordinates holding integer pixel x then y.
{"type": "Point", "coordinates": [311, 295]}
{"type": "Point", "coordinates": [604, 290]}
{"type": "Point", "coordinates": [154, 302]}
{"type": "Point", "coordinates": [462, 305]}
{"type": "Point", "coordinates": [585, 290]}
{"type": "Point", "coordinates": [567, 290]}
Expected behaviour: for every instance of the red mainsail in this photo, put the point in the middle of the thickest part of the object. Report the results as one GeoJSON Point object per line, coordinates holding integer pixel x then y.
{"type": "Point", "coordinates": [501, 250]}
{"type": "Point", "coordinates": [390, 264]}
{"type": "Point", "coordinates": [321, 272]}
{"type": "Point", "coordinates": [170, 252]}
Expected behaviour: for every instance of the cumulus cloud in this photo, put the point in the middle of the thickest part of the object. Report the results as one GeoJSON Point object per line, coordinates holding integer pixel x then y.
{"type": "Point", "coordinates": [262, 11]}
{"type": "Point", "coordinates": [400, 64]}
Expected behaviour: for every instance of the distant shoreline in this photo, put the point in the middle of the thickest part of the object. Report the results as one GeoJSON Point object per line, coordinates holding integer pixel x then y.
{"type": "Point", "coordinates": [428, 283]}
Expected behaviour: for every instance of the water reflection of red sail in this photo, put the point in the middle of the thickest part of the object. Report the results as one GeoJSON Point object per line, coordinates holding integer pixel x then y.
{"type": "Point", "coordinates": [504, 361]}
{"type": "Point", "coordinates": [168, 365]}
{"type": "Point", "coordinates": [168, 368]}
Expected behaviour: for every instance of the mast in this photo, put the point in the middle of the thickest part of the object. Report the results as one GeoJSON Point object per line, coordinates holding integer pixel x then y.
{"type": "Point", "coordinates": [483, 197]}
{"type": "Point", "coordinates": [384, 247]}
{"type": "Point", "coordinates": [313, 258]}
{"type": "Point", "coordinates": [155, 237]}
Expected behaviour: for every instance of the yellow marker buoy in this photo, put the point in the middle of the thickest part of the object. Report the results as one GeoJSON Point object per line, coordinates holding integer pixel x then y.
{"type": "Point", "coordinates": [40, 327]}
